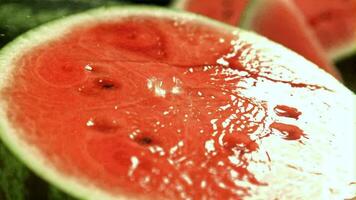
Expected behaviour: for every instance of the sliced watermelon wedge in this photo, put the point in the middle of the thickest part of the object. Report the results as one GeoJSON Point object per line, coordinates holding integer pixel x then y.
{"type": "Point", "coordinates": [143, 103]}
{"type": "Point", "coordinates": [334, 23]}
{"type": "Point", "coordinates": [281, 21]}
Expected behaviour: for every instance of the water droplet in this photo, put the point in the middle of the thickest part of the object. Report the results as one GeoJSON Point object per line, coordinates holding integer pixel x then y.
{"type": "Point", "coordinates": [222, 62]}
{"type": "Point", "coordinates": [103, 124]}
{"type": "Point", "coordinates": [90, 122]}
{"type": "Point", "coordinates": [162, 89]}
{"type": "Point", "coordinates": [203, 184]}
{"type": "Point", "coordinates": [134, 163]}
{"type": "Point", "coordinates": [209, 146]}
{"type": "Point", "coordinates": [88, 67]}
{"type": "Point", "coordinates": [156, 86]}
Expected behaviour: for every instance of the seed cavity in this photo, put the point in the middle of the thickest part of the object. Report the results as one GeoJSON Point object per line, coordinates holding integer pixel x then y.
{"type": "Point", "coordinates": [144, 139]}
{"type": "Point", "coordinates": [105, 83]}
{"type": "Point", "coordinates": [98, 85]}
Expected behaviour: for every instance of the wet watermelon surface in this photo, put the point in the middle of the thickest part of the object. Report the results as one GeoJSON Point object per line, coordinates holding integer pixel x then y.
{"type": "Point", "coordinates": [151, 105]}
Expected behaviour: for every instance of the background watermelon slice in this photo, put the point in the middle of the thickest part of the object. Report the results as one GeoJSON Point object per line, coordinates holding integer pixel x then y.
{"type": "Point", "coordinates": [14, 175]}
{"type": "Point", "coordinates": [281, 21]}
{"type": "Point", "coordinates": [334, 23]}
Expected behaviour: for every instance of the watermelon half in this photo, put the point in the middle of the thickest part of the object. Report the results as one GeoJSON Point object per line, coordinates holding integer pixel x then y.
{"type": "Point", "coordinates": [278, 20]}
{"type": "Point", "coordinates": [144, 103]}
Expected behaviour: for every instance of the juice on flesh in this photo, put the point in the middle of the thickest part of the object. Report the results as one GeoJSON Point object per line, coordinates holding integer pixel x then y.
{"type": "Point", "coordinates": [154, 106]}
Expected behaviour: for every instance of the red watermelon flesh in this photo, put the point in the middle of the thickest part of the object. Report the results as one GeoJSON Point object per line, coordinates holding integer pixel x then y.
{"type": "Point", "coordinates": [333, 21]}
{"type": "Point", "coordinates": [148, 105]}
{"type": "Point", "coordinates": [228, 11]}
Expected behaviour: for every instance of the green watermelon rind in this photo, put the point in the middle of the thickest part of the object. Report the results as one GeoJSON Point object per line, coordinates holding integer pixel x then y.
{"type": "Point", "coordinates": [246, 17]}
{"type": "Point", "coordinates": [31, 156]}
{"type": "Point", "coordinates": [344, 51]}
{"type": "Point", "coordinates": [178, 4]}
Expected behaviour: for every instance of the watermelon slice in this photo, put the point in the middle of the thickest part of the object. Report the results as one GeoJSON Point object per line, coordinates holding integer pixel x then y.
{"type": "Point", "coordinates": [265, 17]}
{"type": "Point", "coordinates": [141, 102]}
{"type": "Point", "coordinates": [334, 23]}
{"type": "Point", "coordinates": [281, 21]}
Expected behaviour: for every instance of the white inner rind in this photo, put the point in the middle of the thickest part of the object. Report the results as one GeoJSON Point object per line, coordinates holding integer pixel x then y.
{"type": "Point", "coordinates": [330, 151]}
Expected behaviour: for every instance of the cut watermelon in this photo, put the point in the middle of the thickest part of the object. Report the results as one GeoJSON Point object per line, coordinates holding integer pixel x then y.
{"type": "Point", "coordinates": [279, 20]}
{"type": "Point", "coordinates": [334, 23]}
{"type": "Point", "coordinates": [140, 102]}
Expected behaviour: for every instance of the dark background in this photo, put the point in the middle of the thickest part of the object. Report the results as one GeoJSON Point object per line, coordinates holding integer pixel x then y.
{"type": "Point", "coordinates": [18, 16]}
